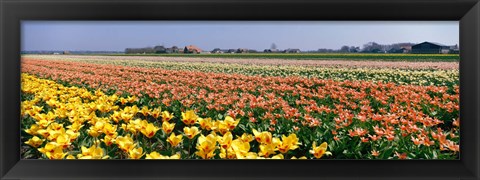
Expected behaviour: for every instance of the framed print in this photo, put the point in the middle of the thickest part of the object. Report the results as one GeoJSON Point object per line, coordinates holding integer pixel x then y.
{"type": "Point", "coordinates": [239, 89]}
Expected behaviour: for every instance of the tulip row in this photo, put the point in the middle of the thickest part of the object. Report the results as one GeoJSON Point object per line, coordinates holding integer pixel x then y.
{"type": "Point", "coordinates": [437, 77]}
{"type": "Point", "coordinates": [72, 123]}
{"type": "Point", "coordinates": [316, 56]}
{"type": "Point", "coordinates": [358, 119]}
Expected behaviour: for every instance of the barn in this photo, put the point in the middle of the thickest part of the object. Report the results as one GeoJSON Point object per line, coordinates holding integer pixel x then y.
{"type": "Point", "coordinates": [430, 48]}
{"type": "Point", "coordinates": [192, 49]}
{"type": "Point", "coordinates": [292, 51]}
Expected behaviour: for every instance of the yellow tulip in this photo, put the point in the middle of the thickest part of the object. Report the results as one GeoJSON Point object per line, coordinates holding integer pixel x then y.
{"type": "Point", "coordinates": [94, 132]}
{"type": "Point", "coordinates": [189, 117]}
{"type": "Point", "coordinates": [191, 132]}
{"type": "Point", "coordinates": [133, 126]}
{"type": "Point", "coordinates": [134, 109]}
{"type": "Point", "coordinates": [70, 157]}
{"type": "Point", "coordinates": [263, 137]}
{"type": "Point", "coordinates": [175, 156]}
{"type": "Point", "coordinates": [116, 116]}
{"type": "Point", "coordinates": [226, 140]}
{"type": "Point", "coordinates": [108, 140]}
{"type": "Point", "coordinates": [75, 126]}
{"type": "Point", "coordinates": [221, 127]}
{"type": "Point", "coordinates": [72, 134]}
{"type": "Point", "coordinates": [32, 130]}
{"type": "Point", "coordinates": [63, 141]}
{"type": "Point", "coordinates": [123, 100]}
{"type": "Point", "coordinates": [53, 134]}
{"type": "Point", "coordinates": [93, 152]}
{"type": "Point", "coordinates": [52, 151]}
{"type": "Point", "coordinates": [156, 113]}
{"type": "Point", "coordinates": [35, 110]}
{"type": "Point", "coordinates": [240, 148]}
{"type": "Point", "coordinates": [267, 149]}
{"type": "Point", "coordinates": [303, 157]}
{"type": "Point", "coordinates": [230, 155]}
{"type": "Point", "coordinates": [126, 117]}
{"type": "Point", "coordinates": [135, 153]}
{"type": "Point", "coordinates": [103, 108]}
{"type": "Point", "coordinates": [44, 119]}
{"type": "Point", "coordinates": [150, 130]}
{"type": "Point", "coordinates": [319, 151]}
{"type": "Point", "coordinates": [174, 140]}
{"type": "Point", "coordinates": [247, 137]}
{"type": "Point", "coordinates": [124, 142]}
{"type": "Point", "coordinates": [231, 123]}
{"type": "Point", "coordinates": [131, 99]}
{"type": "Point", "coordinates": [167, 127]}
{"type": "Point", "coordinates": [166, 116]}
{"type": "Point", "coordinates": [288, 143]}
{"type": "Point", "coordinates": [251, 155]}
{"type": "Point", "coordinates": [206, 146]}
{"type": "Point", "coordinates": [43, 132]}
{"type": "Point", "coordinates": [49, 147]}
{"type": "Point", "coordinates": [34, 141]}
{"type": "Point", "coordinates": [109, 129]}
{"type": "Point", "coordinates": [55, 126]}
{"type": "Point", "coordinates": [57, 154]}
{"type": "Point", "coordinates": [278, 156]}
{"type": "Point", "coordinates": [61, 112]}
{"type": "Point", "coordinates": [145, 111]}
{"type": "Point", "coordinates": [205, 123]}
{"type": "Point", "coordinates": [156, 155]}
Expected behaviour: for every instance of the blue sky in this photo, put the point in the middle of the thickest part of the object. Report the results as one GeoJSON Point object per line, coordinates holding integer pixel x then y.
{"type": "Point", "coordinates": [305, 35]}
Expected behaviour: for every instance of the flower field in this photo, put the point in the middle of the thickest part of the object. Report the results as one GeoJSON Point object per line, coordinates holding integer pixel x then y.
{"type": "Point", "coordinates": [316, 56]}
{"type": "Point", "coordinates": [85, 108]}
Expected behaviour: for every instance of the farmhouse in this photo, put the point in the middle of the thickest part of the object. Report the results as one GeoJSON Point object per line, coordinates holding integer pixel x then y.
{"type": "Point", "coordinates": [292, 51]}
{"type": "Point", "coordinates": [173, 49]}
{"type": "Point", "coordinates": [160, 49]}
{"type": "Point", "coordinates": [271, 50]}
{"type": "Point", "coordinates": [217, 51]}
{"type": "Point", "coordinates": [430, 48]}
{"type": "Point", "coordinates": [400, 50]}
{"type": "Point", "coordinates": [192, 49]}
{"type": "Point", "coordinates": [242, 50]}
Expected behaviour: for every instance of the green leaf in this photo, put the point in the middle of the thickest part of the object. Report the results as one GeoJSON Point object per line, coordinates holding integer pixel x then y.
{"type": "Point", "coordinates": [387, 153]}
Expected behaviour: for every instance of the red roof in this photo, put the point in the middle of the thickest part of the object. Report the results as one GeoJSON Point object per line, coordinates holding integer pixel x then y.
{"type": "Point", "coordinates": [193, 48]}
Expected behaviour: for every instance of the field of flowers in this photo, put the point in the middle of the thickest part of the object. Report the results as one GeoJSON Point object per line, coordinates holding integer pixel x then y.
{"type": "Point", "coordinates": [91, 109]}
{"type": "Point", "coordinates": [349, 56]}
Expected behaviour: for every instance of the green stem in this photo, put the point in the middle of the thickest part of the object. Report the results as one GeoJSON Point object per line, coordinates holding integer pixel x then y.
{"type": "Point", "coordinates": [189, 147]}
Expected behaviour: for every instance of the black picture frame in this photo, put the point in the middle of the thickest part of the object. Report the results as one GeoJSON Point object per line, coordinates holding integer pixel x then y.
{"type": "Point", "coordinates": [467, 12]}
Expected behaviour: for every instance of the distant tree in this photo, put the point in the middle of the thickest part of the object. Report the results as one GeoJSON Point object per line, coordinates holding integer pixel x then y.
{"type": "Point", "coordinates": [354, 49]}
{"type": "Point", "coordinates": [323, 50]}
{"type": "Point", "coordinates": [344, 49]}
{"type": "Point", "coordinates": [273, 46]}
{"type": "Point", "coordinates": [372, 47]}
{"type": "Point", "coordinates": [400, 45]}
{"type": "Point", "coordinates": [147, 50]}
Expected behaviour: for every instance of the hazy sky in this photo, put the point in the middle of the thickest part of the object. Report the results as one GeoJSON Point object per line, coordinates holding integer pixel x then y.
{"type": "Point", "coordinates": [305, 35]}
